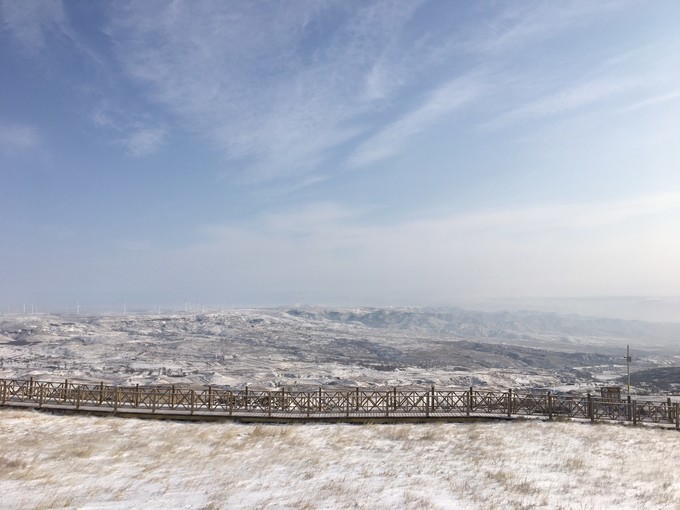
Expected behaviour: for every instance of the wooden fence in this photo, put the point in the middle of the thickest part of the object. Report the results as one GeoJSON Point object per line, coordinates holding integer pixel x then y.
{"type": "Point", "coordinates": [348, 404]}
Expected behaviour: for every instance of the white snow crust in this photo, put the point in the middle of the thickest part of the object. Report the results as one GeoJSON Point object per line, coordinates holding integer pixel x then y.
{"type": "Point", "coordinates": [71, 462]}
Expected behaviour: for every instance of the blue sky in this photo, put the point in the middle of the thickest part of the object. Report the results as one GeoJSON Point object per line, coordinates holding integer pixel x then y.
{"type": "Point", "coordinates": [387, 153]}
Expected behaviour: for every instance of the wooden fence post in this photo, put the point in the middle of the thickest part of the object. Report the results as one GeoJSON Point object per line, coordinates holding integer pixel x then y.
{"type": "Point", "coordinates": [4, 391]}
{"type": "Point", "coordinates": [246, 397]}
{"type": "Point", "coordinates": [78, 397]}
{"type": "Point", "coordinates": [210, 398]}
{"type": "Point", "coordinates": [101, 392]}
{"type": "Point", "coordinates": [269, 409]}
{"type": "Point", "coordinates": [192, 398]}
{"type": "Point", "coordinates": [309, 403]}
{"type": "Point", "coordinates": [320, 400]}
{"type": "Point", "coordinates": [509, 402]}
{"type": "Point", "coordinates": [629, 409]}
{"type": "Point", "coordinates": [137, 395]}
{"type": "Point", "coordinates": [433, 401]}
{"type": "Point", "coordinates": [116, 397]}
{"type": "Point", "coordinates": [348, 396]}
{"type": "Point", "coordinates": [550, 406]}
{"type": "Point", "coordinates": [65, 393]}
{"type": "Point", "coordinates": [394, 401]}
{"type": "Point", "coordinates": [670, 410]}
{"type": "Point", "coordinates": [677, 416]}
{"type": "Point", "coordinates": [231, 402]}
{"type": "Point", "coordinates": [172, 396]}
{"type": "Point", "coordinates": [470, 402]}
{"type": "Point", "coordinates": [591, 412]}
{"type": "Point", "coordinates": [357, 400]}
{"type": "Point", "coordinates": [41, 395]}
{"type": "Point", "coordinates": [427, 404]}
{"type": "Point", "coordinates": [30, 388]}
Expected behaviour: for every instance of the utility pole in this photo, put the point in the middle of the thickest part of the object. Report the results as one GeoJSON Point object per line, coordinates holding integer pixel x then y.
{"type": "Point", "coordinates": [628, 360]}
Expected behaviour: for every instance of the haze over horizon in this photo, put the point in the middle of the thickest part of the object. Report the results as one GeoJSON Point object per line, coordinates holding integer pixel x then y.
{"type": "Point", "coordinates": [389, 153]}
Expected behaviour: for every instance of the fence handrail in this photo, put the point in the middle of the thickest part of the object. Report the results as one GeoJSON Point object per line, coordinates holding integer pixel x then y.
{"type": "Point", "coordinates": [331, 402]}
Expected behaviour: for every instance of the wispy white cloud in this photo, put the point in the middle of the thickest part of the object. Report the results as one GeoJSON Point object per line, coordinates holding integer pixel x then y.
{"type": "Point", "coordinates": [574, 216]}
{"type": "Point", "coordinates": [20, 137]}
{"type": "Point", "coordinates": [102, 116]}
{"type": "Point", "coordinates": [622, 246]}
{"type": "Point", "coordinates": [138, 134]}
{"type": "Point", "coordinates": [282, 87]}
{"type": "Point", "coordinates": [520, 23]}
{"type": "Point", "coordinates": [144, 140]}
{"type": "Point", "coordinates": [500, 222]}
{"type": "Point", "coordinates": [32, 22]}
{"type": "Point", "coordinates": [581, 95]}
{"type": "Point", "coordinates": [655, 100]}
{"type": "Point", "coordinates": [275, 188]}
{"type": "Point", "coordinates": [276, 85]}
{"type": "Point", "coordinates": [38, 26]}
{"type": "Point", "coordinates": [440, 103]}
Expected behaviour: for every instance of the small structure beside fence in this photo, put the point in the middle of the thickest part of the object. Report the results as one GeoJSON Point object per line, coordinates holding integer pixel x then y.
{"type": "Point", "coordinates": [611, 393]}
{"type": "Point", "coordinates": [328, 404]}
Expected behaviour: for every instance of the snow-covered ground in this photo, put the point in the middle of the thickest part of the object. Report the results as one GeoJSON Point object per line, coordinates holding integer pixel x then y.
{"type": "Point", "coordinates": [49, 461]}
{"type": "Point", "coordinates": [332, 347]}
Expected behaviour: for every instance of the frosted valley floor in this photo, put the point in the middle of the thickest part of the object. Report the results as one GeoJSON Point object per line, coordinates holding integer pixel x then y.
{"type": "Point", "coordinates": [50, 461]}
{"type": "Point", "coordinates": [335, 347]}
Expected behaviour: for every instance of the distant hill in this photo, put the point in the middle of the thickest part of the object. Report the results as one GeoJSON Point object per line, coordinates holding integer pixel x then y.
{"type": "Point", "coordinates": [656, 380]}
{"type": "Point", "coordinates": [519, 326]}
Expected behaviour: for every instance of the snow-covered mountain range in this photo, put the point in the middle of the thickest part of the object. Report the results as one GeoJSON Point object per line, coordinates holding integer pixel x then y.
{"type": "Point", "coordinates": [336, 346]}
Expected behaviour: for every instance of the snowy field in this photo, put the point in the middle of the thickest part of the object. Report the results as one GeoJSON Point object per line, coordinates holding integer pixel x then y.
{"type": "Point", "coordinates": [50, 461]}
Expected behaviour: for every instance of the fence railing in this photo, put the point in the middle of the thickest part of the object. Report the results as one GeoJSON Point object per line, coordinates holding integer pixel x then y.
{"type": "Point", "coordinates": [349, 403]}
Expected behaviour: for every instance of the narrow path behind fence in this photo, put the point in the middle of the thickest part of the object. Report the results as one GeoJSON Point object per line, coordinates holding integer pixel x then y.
{"type": "Point", "coordinates": [329, 404]}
